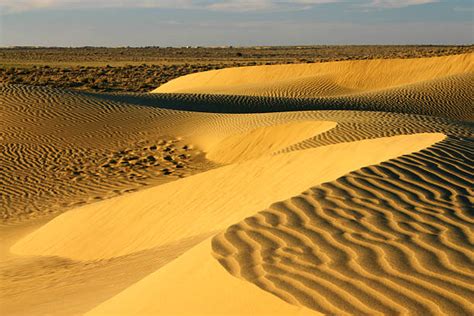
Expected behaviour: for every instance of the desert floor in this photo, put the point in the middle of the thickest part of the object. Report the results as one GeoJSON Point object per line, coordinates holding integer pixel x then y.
{"type": "Point", "coordinates": [338, 188]}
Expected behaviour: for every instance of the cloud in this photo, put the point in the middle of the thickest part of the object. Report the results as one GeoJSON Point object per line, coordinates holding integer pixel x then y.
{"type": "Point", "coordinates": [216, 5]}
{"type": "Point", "coordinates": [27, 5]}
{"type": "Point", "coordinates": [11, 6]}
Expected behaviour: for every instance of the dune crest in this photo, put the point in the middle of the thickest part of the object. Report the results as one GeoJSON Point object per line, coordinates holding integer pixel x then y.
{"type": "Point", "coordinates": [206, 202]}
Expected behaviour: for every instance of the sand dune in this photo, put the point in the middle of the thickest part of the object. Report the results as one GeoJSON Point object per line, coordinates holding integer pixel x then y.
{"type": "Point", "coordinates": [302, 249]}
{"type": "Point", "coordinates": [440, 86]}
{"type": "Point", "coordinates": [353, 196]}
{"type": "Point", "coordinates": [188, 208]}
{"type": "Point", "coordinates": [360, 75]}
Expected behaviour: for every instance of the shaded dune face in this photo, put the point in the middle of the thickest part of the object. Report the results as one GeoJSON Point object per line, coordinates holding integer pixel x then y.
{"type": "Point", "coordinates": [353, 196]}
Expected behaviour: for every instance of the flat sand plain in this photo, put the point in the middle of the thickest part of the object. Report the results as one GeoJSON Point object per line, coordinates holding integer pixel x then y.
{"type": "Point", "coordinates": [342, 188]}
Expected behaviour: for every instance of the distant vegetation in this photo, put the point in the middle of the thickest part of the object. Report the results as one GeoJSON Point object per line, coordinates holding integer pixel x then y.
{"type": "Point", "coordinates": [142, 69]}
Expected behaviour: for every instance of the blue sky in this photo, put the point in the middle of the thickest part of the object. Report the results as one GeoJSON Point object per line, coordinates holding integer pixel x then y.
{"type": "Point", "coordinates": [234, 22]}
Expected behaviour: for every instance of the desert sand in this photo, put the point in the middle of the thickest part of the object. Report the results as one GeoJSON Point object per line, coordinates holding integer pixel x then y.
{"type": "Point", "coordinates": [340, 188]}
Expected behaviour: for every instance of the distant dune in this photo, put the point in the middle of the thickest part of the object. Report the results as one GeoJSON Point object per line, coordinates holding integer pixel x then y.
{"type": "Point", "coordinates": [340, 188]}
{"type": "Point", "coordinates": [321, 79]}
{"type": "Point", "coordinates": [439, 86]}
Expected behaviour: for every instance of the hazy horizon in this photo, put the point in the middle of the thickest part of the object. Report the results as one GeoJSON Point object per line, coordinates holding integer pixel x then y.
{"type": "Point", "coordinates": [235, 46]}
{"type": "Point", "coordinates": [210, 23]}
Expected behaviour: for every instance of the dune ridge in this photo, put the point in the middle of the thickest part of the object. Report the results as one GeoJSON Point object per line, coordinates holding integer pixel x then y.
{"type": "Point", "coordinates": [317, 249]}
{"type": "Point", "coordinates": [162, 209]}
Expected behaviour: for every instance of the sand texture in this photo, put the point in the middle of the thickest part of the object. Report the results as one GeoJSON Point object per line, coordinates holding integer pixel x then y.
{"type": "Point", "coordinates": [340, 188]}
{"type": "Point", "coordinates": [440, 86]}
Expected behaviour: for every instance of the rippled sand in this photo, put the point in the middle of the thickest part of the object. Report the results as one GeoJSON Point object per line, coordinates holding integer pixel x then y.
{"type": "Point", "coordinates": [335, 188]}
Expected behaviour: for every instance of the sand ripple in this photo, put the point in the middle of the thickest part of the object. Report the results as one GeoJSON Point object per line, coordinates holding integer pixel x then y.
{"type": "Point", "coordinates": [392, 238]}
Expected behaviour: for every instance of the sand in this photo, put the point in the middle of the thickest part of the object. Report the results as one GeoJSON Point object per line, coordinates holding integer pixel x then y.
{"type": "Point", "coordinates": [129, 205]}
{"type": "Point", "coordinates": [438, 86]}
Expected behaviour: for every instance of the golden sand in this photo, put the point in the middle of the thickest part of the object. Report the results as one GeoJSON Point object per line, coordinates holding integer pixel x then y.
{"type": "Point", "coordinates": [114, 205]}
{"type": "Point", "coordinates": [440, 86]}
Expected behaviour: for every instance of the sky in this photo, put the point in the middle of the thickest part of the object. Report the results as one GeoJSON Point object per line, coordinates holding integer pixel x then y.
{"type": "Point", "coordinates": [234, 22]}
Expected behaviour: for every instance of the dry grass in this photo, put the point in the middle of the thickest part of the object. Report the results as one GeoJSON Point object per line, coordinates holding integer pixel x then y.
{"type": "Point", "coordinates": [141, 78]}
